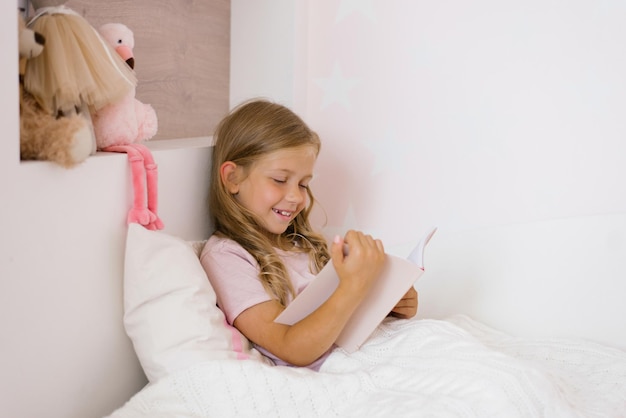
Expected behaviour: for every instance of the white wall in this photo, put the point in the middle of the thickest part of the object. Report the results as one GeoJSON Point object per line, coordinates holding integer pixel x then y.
{"type": "Point", "coordinates": [64, 352]}
{"type": "Point", "coordinates": [451, 113]}
{"type": "Point", "coordinates": [459, 114]}
{"type": "Point", "coordinates": [264, 70]}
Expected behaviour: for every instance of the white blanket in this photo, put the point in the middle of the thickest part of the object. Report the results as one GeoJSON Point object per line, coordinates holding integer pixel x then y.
{"type": "Point", "coordinates": [408, 368]}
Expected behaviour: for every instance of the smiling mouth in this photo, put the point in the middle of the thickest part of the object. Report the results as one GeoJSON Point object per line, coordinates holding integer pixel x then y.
{"type": "Point", "coordinates": [283, 212]}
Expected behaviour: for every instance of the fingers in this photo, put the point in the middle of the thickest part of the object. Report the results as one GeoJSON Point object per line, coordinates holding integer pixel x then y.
{"type": "Point", "coordinates": [407, 306]}
{"type": "Point", "coordinates": [358, 241]}
{"type": "Point", "coordinates": [380, 246]}
{"type": "Point", "coordinates": [360, 268]}
{"type": "Point", "coordinates": [336, 249]}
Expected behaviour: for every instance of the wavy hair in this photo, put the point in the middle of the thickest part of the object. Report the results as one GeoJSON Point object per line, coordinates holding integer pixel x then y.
{"type": "Point", "coordinates": [250, 132]}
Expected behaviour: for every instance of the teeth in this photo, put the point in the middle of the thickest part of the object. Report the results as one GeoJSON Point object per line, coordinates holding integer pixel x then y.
{"type": "Point", "coordinates": [283, 212]}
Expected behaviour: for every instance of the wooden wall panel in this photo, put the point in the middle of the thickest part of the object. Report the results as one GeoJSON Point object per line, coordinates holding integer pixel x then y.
{"type": "Point", "coordinates": [182, 55]}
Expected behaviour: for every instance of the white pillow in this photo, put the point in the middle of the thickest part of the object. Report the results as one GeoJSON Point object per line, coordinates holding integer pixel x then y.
{"type": "Point", "coordinates": [170, 311]}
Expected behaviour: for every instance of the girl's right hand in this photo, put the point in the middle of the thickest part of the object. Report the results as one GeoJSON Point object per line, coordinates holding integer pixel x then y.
{"type": "Point", "coordinates": [359, 269]}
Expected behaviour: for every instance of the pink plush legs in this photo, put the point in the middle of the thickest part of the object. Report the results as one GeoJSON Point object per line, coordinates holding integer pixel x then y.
{"type": "Point", "coordinates": [152, 183]}
{"type": "Point", "coordinates": [142, 168]}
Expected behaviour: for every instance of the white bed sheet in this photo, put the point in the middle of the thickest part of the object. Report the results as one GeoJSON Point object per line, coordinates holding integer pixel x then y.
{"type": "Point", "coordinates": [408, 368]}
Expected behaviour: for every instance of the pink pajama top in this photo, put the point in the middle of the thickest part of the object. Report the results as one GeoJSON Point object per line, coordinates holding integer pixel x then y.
{"type": "Point", "coordinates": [234, 275]}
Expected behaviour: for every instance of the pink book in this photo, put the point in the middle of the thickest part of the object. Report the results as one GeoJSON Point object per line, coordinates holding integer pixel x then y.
{"type": "Point", "coordinates": [397, 277]}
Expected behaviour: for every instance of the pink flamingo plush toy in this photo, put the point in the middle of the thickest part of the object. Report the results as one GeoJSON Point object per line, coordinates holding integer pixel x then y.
{"type": "Point", "coordinates": [122, 126]}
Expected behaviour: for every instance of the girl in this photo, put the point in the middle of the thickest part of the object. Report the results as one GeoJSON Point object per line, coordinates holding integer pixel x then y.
{"type": "Point", "coordinates": [264, 251]}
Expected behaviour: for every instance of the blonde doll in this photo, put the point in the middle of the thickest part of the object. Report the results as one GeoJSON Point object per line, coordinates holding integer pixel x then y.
{"type": "Point", "coordinates": [264, 251]}
{"type": "Point", "coordinates": [77, 71]}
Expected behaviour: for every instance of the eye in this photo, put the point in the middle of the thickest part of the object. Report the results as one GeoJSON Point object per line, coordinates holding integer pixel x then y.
{"type": "Point", "coordinates": [280, 181]}
{"type": "Point", "coordinates": [119, 41]}
{"type": "Point", "coordinates": [304, 186]}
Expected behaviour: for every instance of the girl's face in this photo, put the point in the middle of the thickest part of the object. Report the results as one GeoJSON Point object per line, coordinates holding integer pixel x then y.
{"type": "Point", "coordinates": [275, 189]}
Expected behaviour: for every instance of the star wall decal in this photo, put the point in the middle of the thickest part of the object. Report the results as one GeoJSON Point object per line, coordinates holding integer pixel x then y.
{"type": "Point", "coordinates": [336, 88]}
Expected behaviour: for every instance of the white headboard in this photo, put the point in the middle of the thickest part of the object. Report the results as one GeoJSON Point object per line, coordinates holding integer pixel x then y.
{"type": "Point", "coordinates": [64, 352]}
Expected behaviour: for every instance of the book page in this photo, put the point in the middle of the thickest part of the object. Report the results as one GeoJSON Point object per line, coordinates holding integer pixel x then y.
{"type": "Point", "coordinates": [417, 255]}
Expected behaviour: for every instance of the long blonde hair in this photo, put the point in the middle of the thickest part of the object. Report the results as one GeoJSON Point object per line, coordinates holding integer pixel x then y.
{"type": "Point", "coordinates": [251, 131]}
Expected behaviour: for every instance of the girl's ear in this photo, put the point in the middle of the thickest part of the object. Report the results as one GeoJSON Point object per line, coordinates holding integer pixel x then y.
{"type": "Point", "coordinates": [229, 173]}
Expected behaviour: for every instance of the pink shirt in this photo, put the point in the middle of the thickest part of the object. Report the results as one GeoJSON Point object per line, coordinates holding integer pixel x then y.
{"type": "Point", "coordinates": [234, 275]}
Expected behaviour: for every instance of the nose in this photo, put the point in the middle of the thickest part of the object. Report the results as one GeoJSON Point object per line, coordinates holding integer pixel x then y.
{"type": "Point", "coordinates": [296, 194]}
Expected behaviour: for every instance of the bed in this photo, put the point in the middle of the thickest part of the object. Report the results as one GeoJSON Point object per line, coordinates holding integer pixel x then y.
{"type": "Point", "coordinates": [443, 363]}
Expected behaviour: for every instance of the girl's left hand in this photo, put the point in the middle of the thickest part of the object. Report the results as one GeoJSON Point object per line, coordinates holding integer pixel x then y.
{"type": "Point", "coordinates": [407, 306]}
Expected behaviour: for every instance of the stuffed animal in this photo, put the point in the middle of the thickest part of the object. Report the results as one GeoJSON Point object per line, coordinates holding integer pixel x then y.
{"type": "Point", "coordinates": [121, 127]}
{"type": "Point", "coordinates": [67, 140]}
{"type": "Point", "coordinates": [78, 72]}
{"type": "Point", "coordinates": [127, 120]}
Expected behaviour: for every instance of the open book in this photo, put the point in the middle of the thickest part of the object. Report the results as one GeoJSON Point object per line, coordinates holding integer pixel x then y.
{"type": "Point", "coordinates": [396, 279]}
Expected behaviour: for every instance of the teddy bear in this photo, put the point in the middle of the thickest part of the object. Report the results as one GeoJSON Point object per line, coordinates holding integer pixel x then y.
{"type": "Point", "coordinates": [66, 141]}
{"type": "Point", "coordinates": [121, 127]}
{"type": "Point", "coordinates": [77, 72]}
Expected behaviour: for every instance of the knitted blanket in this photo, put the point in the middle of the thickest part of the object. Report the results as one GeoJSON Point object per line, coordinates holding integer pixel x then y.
{"type": "Point", "coordinates": [408, 368]}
